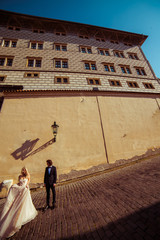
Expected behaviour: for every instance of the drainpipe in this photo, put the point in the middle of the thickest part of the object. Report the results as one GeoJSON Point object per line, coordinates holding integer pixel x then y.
{"type": "Point", "coordinates": [102, 130]}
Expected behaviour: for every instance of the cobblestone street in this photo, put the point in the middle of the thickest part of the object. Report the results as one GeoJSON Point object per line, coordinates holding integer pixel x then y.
{"type": "Point", "coordinates": [118, 205]}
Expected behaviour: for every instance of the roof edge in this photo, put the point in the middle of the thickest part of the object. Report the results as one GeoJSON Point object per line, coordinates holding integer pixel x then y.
{"type": "Point", "coordinates": [70, 22]}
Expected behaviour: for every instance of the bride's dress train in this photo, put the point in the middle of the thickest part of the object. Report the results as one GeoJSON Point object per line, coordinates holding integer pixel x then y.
{"type": "Point", "coordinates": [18, 209]}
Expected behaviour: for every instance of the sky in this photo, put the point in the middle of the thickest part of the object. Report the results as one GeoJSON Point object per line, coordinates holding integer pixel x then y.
{"type": "Point", "coordinates": [138, 16]}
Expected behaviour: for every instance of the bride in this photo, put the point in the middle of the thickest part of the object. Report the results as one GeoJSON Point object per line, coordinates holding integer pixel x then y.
{"type": "Point", "coordinates": [18, 208]}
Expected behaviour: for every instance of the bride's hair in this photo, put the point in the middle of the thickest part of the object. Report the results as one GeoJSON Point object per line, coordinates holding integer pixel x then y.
{"type": "Point", "coordinates": [24, 171]}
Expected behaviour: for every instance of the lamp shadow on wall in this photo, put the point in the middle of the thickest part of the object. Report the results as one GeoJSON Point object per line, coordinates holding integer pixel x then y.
{"type": "Point", "coordinates": [26, 149]}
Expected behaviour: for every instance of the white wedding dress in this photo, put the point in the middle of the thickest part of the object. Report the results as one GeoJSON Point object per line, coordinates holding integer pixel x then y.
{"type": "Point", "coordinates": [18, 209]}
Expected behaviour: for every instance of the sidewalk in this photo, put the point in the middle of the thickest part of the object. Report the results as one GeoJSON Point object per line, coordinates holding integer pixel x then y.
{"type": "Point", "coordinates": [118, 205]}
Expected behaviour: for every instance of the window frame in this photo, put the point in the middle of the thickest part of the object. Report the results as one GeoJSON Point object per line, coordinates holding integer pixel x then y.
{"type": "Point", "coordinates": [128, 44]}
{"type": "Point", "coordinates": [104, 50]}
{"type": "Point", "coordinates": [13, 28]}
{"type": "Point", "coordinates": [90, 63]}
{"type": "Point", "coordinates": [94, 81]}
{"type": "Point", "coordinates": [150, 85]}
{"type": "Point", "coordinates": [62, 82]}
{"type": "Point", "coordinates": [3, 76]}
{"type": "Point", "coordinates": [60, 33]}
{"type": "Point", "coordinates": [132, 84]}
{"type": "Point", "coordinates": [10, 42]}
{"type": "Point", "coordinates": [140, 69]}
{"type": "Point", "coordinates": [109, 65]}
{"type": "Point", "coordinates": [115, 83]}
{"type": "Point", "coordinates": [125, 69]}
{"type": "Point", "coordinates": [37, 44]}
{"type": "Point", "coordinates": [61, 45]}
{"type": "Point", "coordinates": [6, 59]}
{"type": "Point", "coordinates": [83, 36]}
{"type": "Point", "coordinates": [133, 56]}
{"type": "Point", "coordinates": [114, 41]}
{"type": "Point", "coordinates": [34, 59]}
{"type": "Point", "coordinates": [35, 30]}
{"type": "Point", "coordinates": [61, 60]}
{"type": "Point", "coordinates": [32, 74]}
{"type": "Point", "coordinates": [100, 39]}
{"type": "Point", "coordinates": [86, 48]}
{"type": "Point", "coordinates": [118, 53]}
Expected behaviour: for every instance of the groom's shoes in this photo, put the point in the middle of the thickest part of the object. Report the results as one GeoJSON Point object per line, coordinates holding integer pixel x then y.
{"type": "Point", "coordinates": [53, 206]}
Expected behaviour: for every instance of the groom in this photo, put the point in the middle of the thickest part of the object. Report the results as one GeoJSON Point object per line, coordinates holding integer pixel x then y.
{"type": "Point", "coordinates": [50, 178]}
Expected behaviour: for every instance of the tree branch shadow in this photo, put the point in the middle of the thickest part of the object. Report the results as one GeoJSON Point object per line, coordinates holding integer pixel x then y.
{"type": "Point", "coordinates": [26, 149]}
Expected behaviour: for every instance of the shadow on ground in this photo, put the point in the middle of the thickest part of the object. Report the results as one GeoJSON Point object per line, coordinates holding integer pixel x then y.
{"type": "Point", "coordinates": [143, 224]}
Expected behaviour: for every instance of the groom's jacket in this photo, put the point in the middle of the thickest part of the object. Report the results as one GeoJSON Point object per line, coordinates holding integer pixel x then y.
{"type": "Point", "coordinates": [51, 178]}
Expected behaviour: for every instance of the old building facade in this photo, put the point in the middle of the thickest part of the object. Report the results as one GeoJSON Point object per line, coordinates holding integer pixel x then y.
{"type": "Point", "coordinates": [95, 82]}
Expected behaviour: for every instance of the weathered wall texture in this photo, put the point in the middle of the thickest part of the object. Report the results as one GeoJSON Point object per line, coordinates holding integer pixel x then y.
{"type": "Point", "coordinates": [79, 141]}
{"type": "Point", "coordinates": [131, 127]}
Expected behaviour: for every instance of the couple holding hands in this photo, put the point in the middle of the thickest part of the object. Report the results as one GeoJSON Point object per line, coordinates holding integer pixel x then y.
{"type": "Point", "coordinates": [18, 208]}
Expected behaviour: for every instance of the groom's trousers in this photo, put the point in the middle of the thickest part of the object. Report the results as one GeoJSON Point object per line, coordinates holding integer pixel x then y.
{"type": "Point", "coordinates": [48, 187]}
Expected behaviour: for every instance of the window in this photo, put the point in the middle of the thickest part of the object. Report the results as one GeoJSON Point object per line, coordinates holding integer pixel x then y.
{"type": "Point", "coordinates": [14, 44]}
{"type": "Point", "coordinates": [85, 49]}
{"type": "Point", "coordinates": [34, 62]}
{"type": "Point", "coordinates": [60, 47]}
{"type": "Point", "coordinates": [9, 62]}
{"type": "Point", "coordinates": [2, 78]}
{"type": "Point", "coordinates": [125, 69]}
{"type": "Point", "coordinates": [93, 81]}
{"type": "Point", "coordinates": [140, 71]}
{"type": "Point", "coordinates": [31, 75]}
{"type": "Point", "coordinates": [14, 28]}
{"type": "Point", "coordinates": [58, 63]}
{"type": "Point", "coordinates": [59, 33]}
{"type": "Point", "coordinates": [115, 83]}
{"type": "Point", "coordinates": [102, 51]}
{"type": "Point", "coordinates": [64, 48]}
{"type": "Point", "coordinates": [133, 56]}
{"type": "Point", "coordinates": [90, 66]}
{"type": "Point", "coordinates": [109, 67]}
{"type": "Point", "coordinates": [2, 61]}
{"type": "Point", "coordinates": [83, 36]}
{"type": "Point", "coordinates": [61, 80]}
{"type": "Point", "coordinates": [132, 84]}
{"type": "Point", "coordinates": [148, 85]}
{"type": "Point", "coordinates": [9, 43]}
{"type": "Point", "coordinates": [128, 44]}
{"type": "Point", "coordinates": [38, 31]}
{"type": "Point", "coordinates": [99, 39]}
{"type": "Point", "coordinates": [6, 61]}
{"type": "Point", "coordinates": [118, 54]}
{"type": "Point", "coordinates": [61, 63]}
{"type": "Point", "coordinates": [114, 41]}
{"type": "Point", "coordinates": [57, 47]}
{"type": "Point", "coordinates": [36, 45]}
{"type": "Point", "coordinates": [64, 64]}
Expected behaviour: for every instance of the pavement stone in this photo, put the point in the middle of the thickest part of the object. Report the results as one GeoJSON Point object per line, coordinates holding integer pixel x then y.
{"type": "Point", "coordinates": [120, 205]}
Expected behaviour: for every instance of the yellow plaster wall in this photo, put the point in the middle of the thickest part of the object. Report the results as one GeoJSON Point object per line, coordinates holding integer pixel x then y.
{"type": "Point", "coordinates": [79, 142]}
{"type": "Point", "coordinates": [131, 127]}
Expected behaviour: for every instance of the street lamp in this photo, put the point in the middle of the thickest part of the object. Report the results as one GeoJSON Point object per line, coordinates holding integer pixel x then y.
{"type": "Point", "coordinates": [55, 130]}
